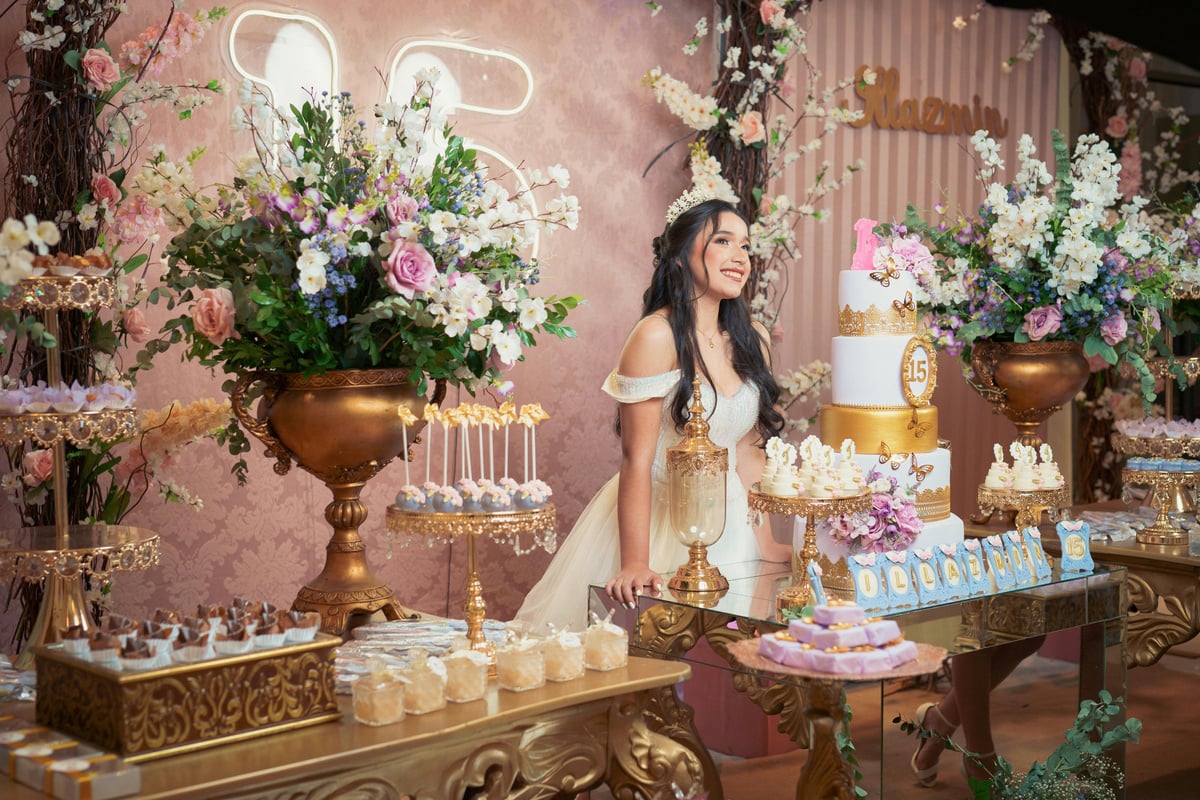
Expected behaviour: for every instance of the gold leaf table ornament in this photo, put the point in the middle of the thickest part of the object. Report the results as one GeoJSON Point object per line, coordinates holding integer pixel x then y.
{"type": "Point", "coordinates": [187, 707]}
{"type": "Point", "coordinates": [505, 527]}
{"type": "Point", "coordinates": [811, 508]}
{"type": "Point", "coordinates": [1029, 505]}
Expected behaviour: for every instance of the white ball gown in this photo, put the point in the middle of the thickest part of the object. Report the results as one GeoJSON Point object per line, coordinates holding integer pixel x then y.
{"type": "Point", "coordinates": [591, 554]}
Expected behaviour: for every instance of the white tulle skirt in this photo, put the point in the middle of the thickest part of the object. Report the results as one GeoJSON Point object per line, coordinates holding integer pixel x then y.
{"type": "Point", "coordinates": [591, 554]}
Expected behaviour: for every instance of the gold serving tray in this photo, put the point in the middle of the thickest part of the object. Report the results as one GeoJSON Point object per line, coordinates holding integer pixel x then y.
{"type": "Point", "coordinates": [186, 707]}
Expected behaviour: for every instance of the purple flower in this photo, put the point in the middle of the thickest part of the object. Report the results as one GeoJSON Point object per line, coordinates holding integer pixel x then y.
{"type": "Point", "coordinates": [1042, 322]}
{"type": "Point", "coordinates": [1114, 329]}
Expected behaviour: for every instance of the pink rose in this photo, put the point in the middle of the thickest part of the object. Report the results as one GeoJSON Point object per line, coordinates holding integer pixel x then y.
{"type": "Point", "coordinates": [212, 316]}
{"type": "Point", "coordinates": [401, 208]}
{"type": "Point", "coordinates": [38, 466]}
{"type": "Point", "coordinates": [1097, 363]}
{"type": "Point", "coordinates": [752, 127]}
{"type": "Point", "coordinates": [104, 190]}
{"type": "Point", "coordinates": [99, 69]}
{"type": "Point", "coordinates": [1042, 322]}
{"type": "Point", "coordinates": [1137, 69]}
{"type": "Point", "coordinates": [410, 268]}
{"type": "Point", "coordinates": [1118, 126]}
{"type": "Point", "coordinates": [1114, 329]}
{"type": "Point", "coordinates": [1129, 182]}
{"type": "Point", "coordinates": [135, 324]}
{"type": "Point", "coordinates": [767, 9]}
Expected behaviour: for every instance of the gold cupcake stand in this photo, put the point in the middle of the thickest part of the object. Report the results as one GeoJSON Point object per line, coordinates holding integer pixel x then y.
{"type": "Point", "coordinates": [1171, 490]}
{"type": "Point", "coordinates": [1028, 505]}
{"type": "Point", "coordinates": [62, 554]}
{"type": "Point", "coordinates": [800, 593]}
{"type": "Point", "coordinates": [505, 527]}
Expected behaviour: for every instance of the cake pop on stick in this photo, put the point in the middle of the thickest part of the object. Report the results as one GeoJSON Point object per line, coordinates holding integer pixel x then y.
{"type": "Point", "coordinates": [431, 415]}
{"type": "Point", "coordinates": [536, 414]}
{"type": "Point", "coordinates": [526, 420]}
{"type": "Point", "coordinates": [508, 415]}
{"type": "Point", "coordinates": [406, 418]}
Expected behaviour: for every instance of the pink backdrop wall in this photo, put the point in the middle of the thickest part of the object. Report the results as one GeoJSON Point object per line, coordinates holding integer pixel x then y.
{"type": "Point", "coordinates": [590, 113]}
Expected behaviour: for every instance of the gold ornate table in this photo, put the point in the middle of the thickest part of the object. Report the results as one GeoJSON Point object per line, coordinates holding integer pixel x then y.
{"type": "Point", "coordinates": [564, 738]}
{"type": "Point", "coordinates": [669, 626]}
{"type": "Point", "coordinates": [1164, 585]}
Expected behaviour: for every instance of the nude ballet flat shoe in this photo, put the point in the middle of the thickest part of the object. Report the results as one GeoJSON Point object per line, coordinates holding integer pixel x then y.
{"type": "Point", "coordinates": [925, 777]}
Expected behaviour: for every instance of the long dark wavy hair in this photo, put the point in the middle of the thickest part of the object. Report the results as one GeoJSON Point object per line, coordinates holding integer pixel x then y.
{"type": "Point", "coordinates": [673, 288]}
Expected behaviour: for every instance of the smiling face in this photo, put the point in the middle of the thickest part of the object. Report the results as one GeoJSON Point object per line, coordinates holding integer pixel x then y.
{"type": "Point", "coordinates": [720, 258]}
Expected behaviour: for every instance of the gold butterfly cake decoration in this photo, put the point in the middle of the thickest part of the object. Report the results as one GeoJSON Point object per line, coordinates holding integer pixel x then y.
{"type": "Point", "coordinates": [920, 428]}
{"type": "Point", "coordinates": [885, 275]}
{"type": "Point", "coordinates": [920, 471]}
{"type": "Point", "coordinates": [904, 305]}
{"type": "Point", "coordinates": [887, 457]}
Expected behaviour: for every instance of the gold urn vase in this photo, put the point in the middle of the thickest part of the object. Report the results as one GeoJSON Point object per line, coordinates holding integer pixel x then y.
{"type": "Point", "coordinates": [342, 427]}
{"type": "Point", "coordinates": [1028, 381]}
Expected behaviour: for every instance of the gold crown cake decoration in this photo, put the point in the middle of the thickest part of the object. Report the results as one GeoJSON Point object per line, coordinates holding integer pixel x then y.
{"type": "Point", "coordinates": [687, 201]}
{"type": "Point", "coordinates": [872, 321]}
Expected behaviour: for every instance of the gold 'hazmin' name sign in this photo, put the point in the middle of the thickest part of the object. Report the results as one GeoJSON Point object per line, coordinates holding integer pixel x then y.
{"type": "Point", "coordinates": [884, 108]}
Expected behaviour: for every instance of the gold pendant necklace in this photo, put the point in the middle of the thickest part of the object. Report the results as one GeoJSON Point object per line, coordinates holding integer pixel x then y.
{"type": "Point", "coordinates": [711, 344]}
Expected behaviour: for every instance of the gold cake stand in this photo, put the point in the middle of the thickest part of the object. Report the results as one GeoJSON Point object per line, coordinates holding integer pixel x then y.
{"type": "Point", "coordinates": [1169, 492]}
{"type": "Point", "coordinates": [506, 527]}
{"type": "Point", "coordinates": [1165, 485]}
{"type": "Point", "coordinates": [800, 593]}
{"type": "Point", "coordinates": [1028, 505]}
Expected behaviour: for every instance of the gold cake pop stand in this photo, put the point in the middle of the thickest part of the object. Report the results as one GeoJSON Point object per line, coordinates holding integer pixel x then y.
{"type": "Point", "coordinates": [506, 527]}
{"type": "Point", "coordinates": [1028, 505]}
{"type": "Point", "coordinates": [800, 593]}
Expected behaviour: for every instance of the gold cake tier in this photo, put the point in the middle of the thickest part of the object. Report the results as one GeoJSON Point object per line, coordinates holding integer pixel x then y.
{"type": "Point", "coordinates": [902, 429]}
{"type": "Point", "coordinates": [872, 321]}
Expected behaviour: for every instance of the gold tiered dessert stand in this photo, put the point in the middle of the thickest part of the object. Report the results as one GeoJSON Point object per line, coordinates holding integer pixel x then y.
{"type": "Point", "coordinates": [1028, 504]}
{"type": "Point", "coordinates": [1166, 486]}
{"type": "Point", "coordinates": [62, 554]}
{"type": "Point", "coordinates": [800, 593]}
{"type": "Point", "coordinates": [506, 527]}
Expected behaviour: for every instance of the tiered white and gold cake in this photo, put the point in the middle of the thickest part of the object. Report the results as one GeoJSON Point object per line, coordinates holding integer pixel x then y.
{"type": "Point", "coordinates": [884, 374]}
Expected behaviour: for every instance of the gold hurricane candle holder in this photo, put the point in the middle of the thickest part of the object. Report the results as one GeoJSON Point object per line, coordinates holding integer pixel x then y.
{"type": "Point", "coordinates": [800, 593]}
{"type": "Point", "coordinates": [1165, 485]}
{"type": "Point", "coordinates": [1028, 504]}
{"type": "Point", "coordinates": [500, 526]}
{"type": "Point", "coordinates": [697, 476]}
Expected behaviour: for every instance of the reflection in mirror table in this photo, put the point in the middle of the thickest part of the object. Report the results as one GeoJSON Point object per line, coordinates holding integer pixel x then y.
{"type": "Point", "coordinates": [669, 626]}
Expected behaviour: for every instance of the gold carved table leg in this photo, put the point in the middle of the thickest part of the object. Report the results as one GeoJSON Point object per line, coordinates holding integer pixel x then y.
{"type": "Point", "coordinates": [825, 774]}
{"type": "Point", "coordinates": [1153, 632]}
{"type": "Point", "coordinates": [670, 631]}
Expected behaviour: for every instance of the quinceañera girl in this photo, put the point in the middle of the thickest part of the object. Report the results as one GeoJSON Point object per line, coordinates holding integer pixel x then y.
{"type": "Point", "coordinates": [694, 320]}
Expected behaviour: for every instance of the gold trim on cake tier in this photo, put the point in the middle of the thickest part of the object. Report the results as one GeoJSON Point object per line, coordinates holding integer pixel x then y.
{"type": "Point", "coordinates": [933, 504]}
{"type": "Point", "coordinates": [902, 428]}
{"type": "Point", "coordinates": [873, 322]}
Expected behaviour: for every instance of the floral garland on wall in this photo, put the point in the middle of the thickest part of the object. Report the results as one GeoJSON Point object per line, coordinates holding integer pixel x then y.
{"type": "Point", "coordinates": [750, 129]}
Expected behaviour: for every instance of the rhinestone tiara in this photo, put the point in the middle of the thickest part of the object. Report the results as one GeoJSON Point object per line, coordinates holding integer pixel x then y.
{"type": "Point", "coordinates": [688, 200]}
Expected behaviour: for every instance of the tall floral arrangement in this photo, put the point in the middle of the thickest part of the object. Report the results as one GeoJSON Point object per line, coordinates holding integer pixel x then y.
{"type": "Point", "coordinates": [344, 244]}
{"type": "Point", "coordinates": [1047, 257]}
{"type": "Point", "coordinates": [750, 127]}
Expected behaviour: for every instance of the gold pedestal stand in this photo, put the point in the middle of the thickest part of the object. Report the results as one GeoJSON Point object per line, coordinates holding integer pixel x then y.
{"type": "Point", "coordinates": [501, 526]}
{"type": "Point", "coordinates": [1169, 489]}
{"type": "Point", "coordinates": [698, 576]}
{"type": "Point", "coordinates": [62, 554]}
{"type": "Point", "coordinates": [1028, 505]}
{"type": "Point", "coordinates": [1164, 485]}
{"type": "Point", "coordinates": [800, 593]}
